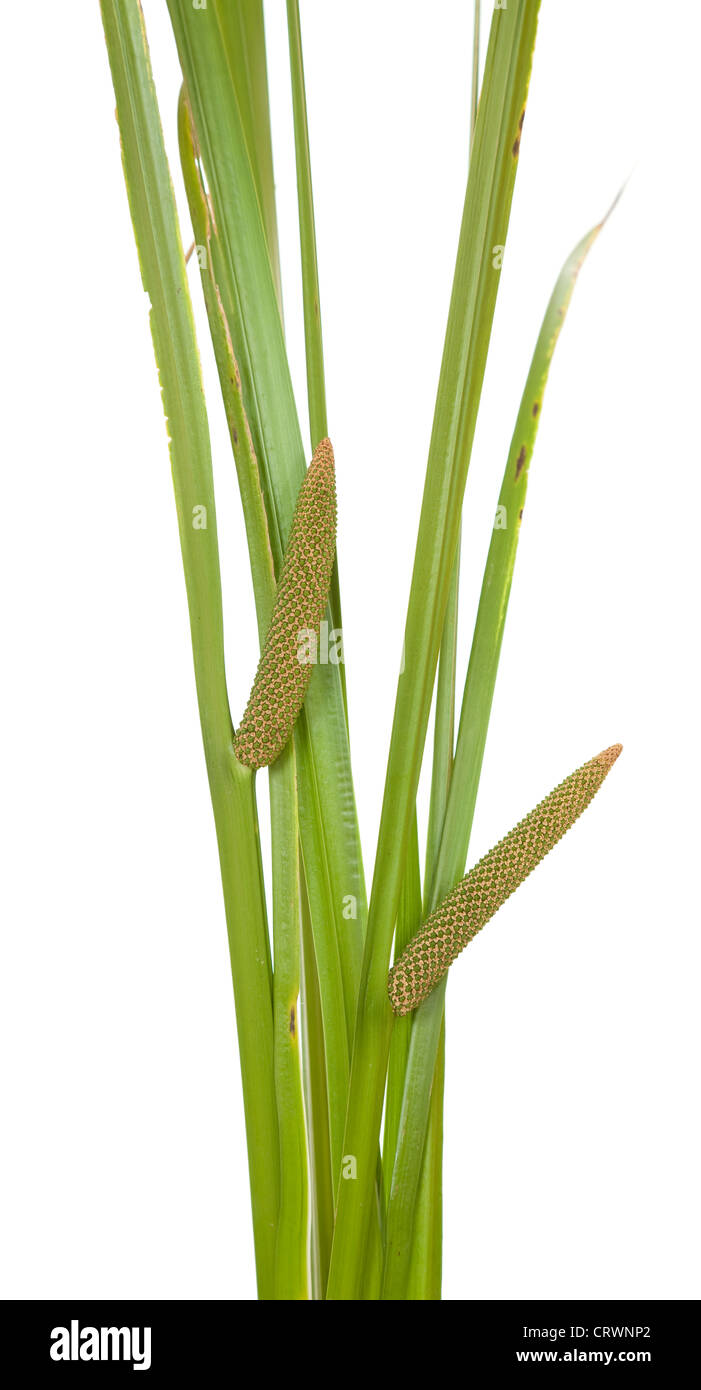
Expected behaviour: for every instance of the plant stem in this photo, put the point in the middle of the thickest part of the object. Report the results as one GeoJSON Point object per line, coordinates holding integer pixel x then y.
{"type": "Point", "coordinates": [217, 292]}
{"type": "Point", "coordinates": [485, 222]}
{"type": "Point", "coordinates": [241, 268]}
{"type": "Point", "coordinates": [291, 1263]}
{"type": "Point", "coordinates": [317, 1109]}
{"type": "Point", "coordinates": [313, 338]}
{"type": "Point", "coordinates": [426, 1263]}
{"type": "Point", "coordinates": [164, 277]}
{"type": "Point", "coordinates": [233, 800]}
{"type": "Point", "coordinates": [291, 1251]}
{"type": "Point", "coordinates": [313, 342]}
{"type": "Point", "coordinates": [467, 765]}
{"type": "Point", "coordinates": [409, 919]}
{"type": "Point", "coordinates": [444, 733]}
{"type": "Point", "coordinates": [426, 1258]}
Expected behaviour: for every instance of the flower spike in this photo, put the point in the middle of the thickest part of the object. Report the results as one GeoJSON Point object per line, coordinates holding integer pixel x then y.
{"type": "Point", "coordinates": [282, 677]}
{"type": "Point", "coordinates": [481, 893]}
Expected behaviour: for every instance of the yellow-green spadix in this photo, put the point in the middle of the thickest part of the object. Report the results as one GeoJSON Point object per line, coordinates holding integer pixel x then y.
{"type": "Point", "coordinates": [465, 910]}
{"type": "Point", "coordinates": [282, 677]}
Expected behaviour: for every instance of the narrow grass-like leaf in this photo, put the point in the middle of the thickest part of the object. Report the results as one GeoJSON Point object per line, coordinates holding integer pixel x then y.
{"type": "Point", "coordinates": [219, 292]}
{"type": "Point", "coordinates": [291, 1256]}
{"type": "Point", "coordinates": [242, 30]}
{"type": "Point", "coordinates": [247, 470]}
{"type": "Point", "coordinates": [322, 1216]}
{"type": "Point", "coordinates": [313, 338]}
{"type": "Point", "coordinates": [327, 806]}
{"type": "Point", "coordinates": [290, 1248]}
{"type": "Point", "coordinates": [444, 732]}
{"type": "Point", "coordinates": [313, 342]}
{"type": "Point", "coordinates": [316, 1101]}
{"type": "Point", "coordinates": [163, 273]}
{"type": "Point", "coordinates": [426, 1269]}
{"type": "Point", "coordinates": [472, 734]}
{"type": "Point", "coordinates": [485, 222]}
{"type": "Point", "coordinates": [408, 921]}
{"type": "Point", "coordinates": [425, 1276]}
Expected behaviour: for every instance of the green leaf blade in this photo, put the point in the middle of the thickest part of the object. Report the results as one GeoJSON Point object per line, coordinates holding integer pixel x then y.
{"type": "Point", "coordinates": [328, 820]}
{"type": "Point", "coordinates": [485, 221]}
{"type": "Point", "coordinates": [242, 30]}
{"type": "Point", "coordinates": [163, 273]}
{"type": "Point", "coordinates": [467, 765]}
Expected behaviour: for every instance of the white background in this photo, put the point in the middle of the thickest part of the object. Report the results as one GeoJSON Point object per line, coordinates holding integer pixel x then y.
{"type": "Point", "coordinates": [571, 1130]}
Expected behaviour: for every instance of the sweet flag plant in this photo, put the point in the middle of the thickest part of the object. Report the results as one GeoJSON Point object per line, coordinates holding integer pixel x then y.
{"type": "Point", "coordinates": [341, 1051]}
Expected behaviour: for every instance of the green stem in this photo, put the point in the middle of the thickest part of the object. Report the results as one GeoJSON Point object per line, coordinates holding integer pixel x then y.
{"type": "Point", "coordinates": [291, 1253]}
{"type": "Point", "coordinates": [444, 733]}
{"type": "Point", "coordinates": [426, 1264]}
{"type": "Point", "coordinates": [233, 799]}
{"type": "Point", "coordinates": [409, 919]}
{"type": "Point", "coordinates": [416, 1107]}
{"type": "Point", "coordinates": [467, 766]}
{"type": "Point", "coordinates": [426, 1257]}
{"type": "Point", "coordinates": [485, 222]}
{"type": "Point", "coordinates": [260, 552]}
{"type": "Point", "coordinates": [291, 1271]}
{"type": "Point", "coordinates": [313, 338]}
{"type": "Point", "coordinates": [425, 1244]}
{"type": "Point", "coordinates": [317, 1109]}
{"type": "Point", "coordinates": [313, 342]}
{"type": "Point", "coordinates": [241, 268]}
{"type": "Point", "coordinates": [164, 277]}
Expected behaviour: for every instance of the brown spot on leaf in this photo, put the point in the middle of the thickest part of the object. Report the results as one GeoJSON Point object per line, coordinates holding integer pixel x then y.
{"type": "Point", "coordinates": [520, 460]}
{"type": "Point", "coordinates": [293, 1021]}
{"type": "Point", "coordinates": [235, 435]}
{"type": "Point", "coordinates": [517, 142]}
{"type": "Point", "coordinates": [520, 515]}
{"type": "Point", "coordinates": [536, 408]}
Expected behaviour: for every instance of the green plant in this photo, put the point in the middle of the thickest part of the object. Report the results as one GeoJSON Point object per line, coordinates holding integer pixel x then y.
{"type": "Point", "coordinates": [314, 1114]}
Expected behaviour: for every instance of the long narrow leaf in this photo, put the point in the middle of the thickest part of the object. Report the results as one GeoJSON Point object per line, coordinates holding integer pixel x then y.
{"type": "Point", "coordinates": [220, 292]}
{"type": "Point", "coordinates": [330, 840]}
{"type": "Point", "coordinates": [242, 30]}
{"type": "Point", "coordinates": [290, 1252]}
{"type": "Point", "coordinates": [485, 221]}
{"type": "Point", "coordinates": [316, 1100]}
{"type": "Point", "coordinates": [316, 386]}
{"type": "Point", "coordinates": [472, 734]}
{"type": "Point", "coordinates": [313, 338]}
{"type": "Point", "coordinates": [291, 1262]}
{"type": "Point", "coordinates": [163, 273]}
{"type": "Point", "coordinates": [425, 1278]}
{"type": "Point", "coordinates": [409, 918]}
